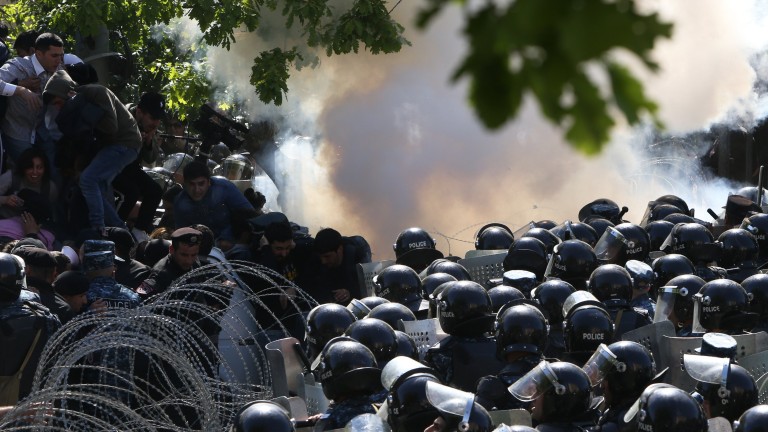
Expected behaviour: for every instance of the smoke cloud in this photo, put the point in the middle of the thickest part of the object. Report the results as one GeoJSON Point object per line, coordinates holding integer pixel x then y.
{"type": "Point", "coordinates": [372, 145]}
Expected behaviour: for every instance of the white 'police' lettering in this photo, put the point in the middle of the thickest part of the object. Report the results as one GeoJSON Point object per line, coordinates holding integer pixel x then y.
{"type": "Point", "coordinates": [593, 336]}
{"type": "Point", "coordinates": [418, 244]}
{"type": "Point", "coordinates": [645, 427]}
{"type": "Point", "coordinates": [711, 308]}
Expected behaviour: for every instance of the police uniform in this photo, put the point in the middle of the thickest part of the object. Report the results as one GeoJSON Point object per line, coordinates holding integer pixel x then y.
{"type": "Point", "coordinates": [627, 318]}
{"type": "Point", "coordinates": [481, 353]}
{"type": "Point", "coordinates": [645, 303]}
{"type": "Point", "coordinates": [339, 414]}
{"type": "Point", "coordinates": [104, 287]}
{"type": "Point", "coordinates": [128, 271]}
{"type": "Point", "coordinates": [15, 312]}
{"type": "Point", "coordinates": [166, 270]}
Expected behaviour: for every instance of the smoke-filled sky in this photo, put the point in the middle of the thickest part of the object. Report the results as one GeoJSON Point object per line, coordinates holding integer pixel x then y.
{"type": "Point", "coordinates": [394, 144]}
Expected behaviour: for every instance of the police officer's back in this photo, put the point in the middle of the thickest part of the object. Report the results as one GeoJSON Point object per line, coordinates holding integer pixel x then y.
{"type": "Point", "coordinates": [25, 327]}
{"type": "Point", "coordinates": [99, 267]}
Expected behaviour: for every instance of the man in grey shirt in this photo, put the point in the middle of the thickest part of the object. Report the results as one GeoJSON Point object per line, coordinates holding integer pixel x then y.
{"type": "Point", "coordinates": [21, 119]}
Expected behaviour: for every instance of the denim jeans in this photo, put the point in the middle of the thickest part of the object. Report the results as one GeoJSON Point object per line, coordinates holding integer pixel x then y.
{"type": "Point", "coordinates": [96, 184]}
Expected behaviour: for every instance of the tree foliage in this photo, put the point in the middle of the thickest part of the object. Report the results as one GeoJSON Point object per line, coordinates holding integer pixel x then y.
{"type": "Point", "coordinates": [160, 64]}
{"type": "Point", "coordinates": [547, 48]}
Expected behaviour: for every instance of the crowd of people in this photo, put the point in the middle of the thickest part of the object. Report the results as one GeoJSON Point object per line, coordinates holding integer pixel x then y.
{"type": "Point", "coordinates": [556, 334]}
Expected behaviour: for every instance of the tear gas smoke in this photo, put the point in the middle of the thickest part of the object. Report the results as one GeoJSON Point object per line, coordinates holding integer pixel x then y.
{"type": "Point", "coordinates": [389, 143]}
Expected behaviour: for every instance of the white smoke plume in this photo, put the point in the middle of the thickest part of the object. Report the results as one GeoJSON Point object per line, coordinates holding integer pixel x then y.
{"type": "Point", "coordinates": [391, 144]}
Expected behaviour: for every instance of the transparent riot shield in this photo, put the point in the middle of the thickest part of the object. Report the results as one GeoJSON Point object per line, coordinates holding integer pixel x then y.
{"type": "Point", "coordinates": [650, 336]}
{"type": "Point", "coordinates": [484, 268]}
{"type": "Point", "coordinates": [366, 273]}
{"type": "Point", "coordinates": [286, 367]}
{"type": "Point", "coordinates": [425, 333]}
{"type": "Point", "coordinates": [513, 417]}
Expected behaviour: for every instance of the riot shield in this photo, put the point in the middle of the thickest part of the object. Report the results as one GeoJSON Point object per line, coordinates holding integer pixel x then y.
{"type": "Point", "coordinates": [762, 386]}
{"type": "Point", "coordinates": [484, 268]}
{"type": "Point", "coordinates": [425, 333]}
{"type": "Point", "coordinates": [286, 367]}
{"type": "Point", "coordinates": [513, 417]}
{"type": "Point", "coordinates": [480, 253]}
{"type": "Point", "coordinates": [313, 395]}
{"type": "Point", "coordinates": [756, 364]}
{"type": "Point", "coordinates": [366, 272]}
{"type": "Point", "coordinates": [650, 336]}
{"type": "Point", "coordinates": [294, 405]}
{"type": "Point", "coordinates": [719, 424]}
{"type": "Point", "coordinates": [674, 348]}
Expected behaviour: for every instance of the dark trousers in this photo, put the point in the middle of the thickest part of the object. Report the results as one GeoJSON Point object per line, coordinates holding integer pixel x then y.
{"type": "Point", "coordinates": [136, 184]}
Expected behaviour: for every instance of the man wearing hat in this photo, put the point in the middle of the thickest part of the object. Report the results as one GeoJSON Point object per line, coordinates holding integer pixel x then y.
{"type": "Point", "coordinates": [93, 110]}
{"type": "Point", "coordinates": [72, 286]}
{"type": "Point", "coordinates": [133, 182]}
{"type": "Point", "coordinates": [40, 267]}
{"type": "Point", "coordinates": [181, 258]}
{"type": "Point", "coordinates": [99, 267]}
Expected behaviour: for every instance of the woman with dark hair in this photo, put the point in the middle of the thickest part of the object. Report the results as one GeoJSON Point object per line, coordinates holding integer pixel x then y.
{"type": "Point", "coordinates": [32, 171]}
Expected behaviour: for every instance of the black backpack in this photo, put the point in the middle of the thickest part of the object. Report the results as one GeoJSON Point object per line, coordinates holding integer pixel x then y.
{"type": "Point", "coordinates": [23, 337]}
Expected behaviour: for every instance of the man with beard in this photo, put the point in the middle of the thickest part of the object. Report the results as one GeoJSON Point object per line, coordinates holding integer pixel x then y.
{"type": "Point", "coordinates": [181, 258]}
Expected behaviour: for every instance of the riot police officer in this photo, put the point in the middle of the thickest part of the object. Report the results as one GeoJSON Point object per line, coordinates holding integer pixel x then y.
{"type": "Point", "coordinates": [665, 408]}
{"type": "Point", "coordinates": [465, 314]}
{"type": "Point", "coordinates": [675, 302]}
{"type": "Point", "coordinates": [756, 287]}
{"type": "Point", "coordinates": [408, 408]}
{"type": "Point", "coordinates": [325, 322]}
{"type": "Point", "coordinates": [754, 419]}
{"type": "Point", "coordinates": [521, 336]}
{"type": "Point", "coordinates": [529, 254]}
{"type": "Point", "coordinates": [401, 284]}
{"type": "Point", "coordinates": [494, 236]}
{"type": "Point", "coordinates": [572, 261]}
{"type": "Point", "coordinates": [561, 396]}
{"type": "Point", "coordinates": [739, 255]}
{"type": "Point", "coordinates": [551, 295]}
{"type": "Point", "coordinates": [725, 389]}
{"type": "Point", "coordinates": [697, 243]}
{"type": "Point", "coordinates": [722, 307]}
{"type": "Point", "coordinates": [612, 285]}
{"type": "Point", "coordinates": [415, 248]}
{"type": "Point", "coordinates": [457, 410]}
{"type": "Point", "coordinates": [587, 325]}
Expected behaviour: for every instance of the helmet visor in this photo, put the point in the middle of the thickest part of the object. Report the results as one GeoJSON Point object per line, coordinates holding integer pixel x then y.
{"type": "Point", "coordinates": [449, 400]}
{"type": "Point", "coordinates": [576, 298]}
{"type": "Point", "coordinates": [665, 302]}
{"type": "Point", "coordinates": [713, 370]}
{"type": "Point", "coordinates": [635, 408]}
{"type": "Point", "coordinates": [600, 364]}
{"type": "Point", "coordinates": [553, 259]}
{"type": "Point", "coordinates": [610, 244]}
{"type": "Point", "coordinates": [669, 242]}
{"type": "Point", "coordinates": [399, 366]}
{"type": "Point", "coordinates": [535, 383]}
{"type": "Point", "coordinates": [524, 229]}
{"type": "Point", "coordinates": [358, 308]}
{"type": "Point", "coordinates": [696, 326]}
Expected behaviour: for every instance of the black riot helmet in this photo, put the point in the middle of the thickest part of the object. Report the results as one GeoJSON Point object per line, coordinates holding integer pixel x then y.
{"type": "Point", "coordinates": [756, 287]}
{"type": "Point", "coordinates": [494, 236]}
{"type": "Point", "coordinates": [675, 201]}
{"type": "Point", "coordinates": [528, 254]}
{"type": "Point", "coordinates": [572, 261]}
{"type": "Point", "coordinates": [728, 388]}
{"type": "Point", "coordinates": [576, 231]}
{"type": "Point", "coordinates": [377, 336]}
{"type": "Point", "coordinates": [408, 406]}
{"type": "Point", "coordinates": [611, 284]}
{"type": "Point", "coordinates": [694, 241]}
{"type": "Point", "coordinates": [551, 295]}
{"type": "Point", "coordinates": [661, 211]}
{"type": "Point", "coordinates": [325, 322]}
{"type": "Point", "coordinates": [406, 346]}
{"type": "Point", "coordinates": [740, 248]}
{"type": "Point", "coordinates": [502, 294]}
{"type": "Point", "coordinates": [400, 284]}
{"type": "Point", "coordinates": [658, 231]}
{"type": "Point", "coordinates": [622, 243]}
{"type": "Point", "coordinates": [754, 419]}
{"type": "Point", "coordinates": [11, 277]}
{"type": "Point", "coordinates": [550, 240]}
{"type": "Point", "coordinates": [722, 306]}
{"type": "Point", "coordinates": [454, 269]}
{"type": "Point", "coordinates": [392, 314]}
{"type": "Point", "coordinates": [682, 290]}
{"type": "Point", "coordinates": [757, 224]}
{"type": "Point", "coordinates": [601, 208]}
{"type": "Point", "coordinates": [347, 369]}
{"type": "Point", "coordinates": [642, 275]}
{"type": "Point", "coordinates": [561, 388]}
{"type": "Point", "coordinates": [464, 309]}
{"type": "Point", "coordinates": [669, 266]}
{"type": "Point", "coordinates": [677, 218]}
{"type": "Point", "coordinates": [664, 408]}
{"type": "Point", "coordinates": [586, 327]}
{"type": "Point", "coordinates": [458, 409]}
{"type": "Point", "coordinates": [600, 225]}
{"type": "Point", "coordinates": [521, 328]}
{"type": "Point", "coordinates": [263, 416]}
{"type": "Point", "coordinates": [373, 301]}
{"type": "Point", "coordinates": [430, 282]}
{"type": "Point", "coordinates": [523, 280]}
{"type": "Point", "coordinates": [629, 373]}
{"type": "Point", "coordinates": [415, 248]}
